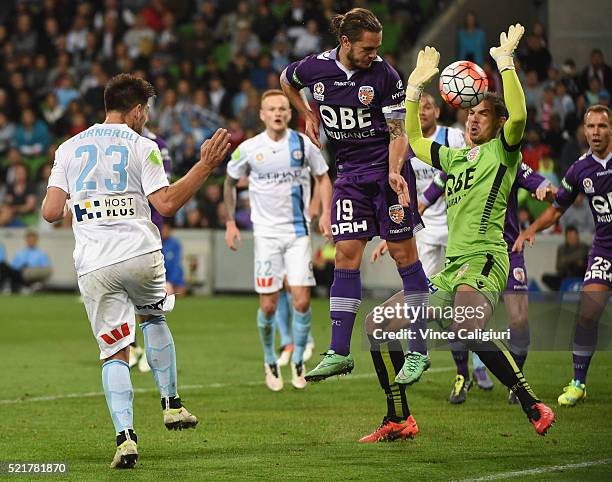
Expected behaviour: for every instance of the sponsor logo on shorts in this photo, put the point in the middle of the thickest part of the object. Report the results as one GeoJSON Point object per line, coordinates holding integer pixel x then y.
{"type": "Point", "coordinates": [366, 94]}
{"type": "Point", "coordinates": [519, 274]}
{"type": "Point", "coordinates": [263, 282]}
{"type": "Point", "coordinates": [588, 185]}
{"type": "Point", "coordinates": [462, 271]}
{"type": "Point", "coordinates": [108, 207]}
{"type": "Point", "coordinates": [349, 227]}
{"type": "Point", "coordinates": [405, 229]}
{"type": "Point", "coordinates": [318, 90]}
{"type": "Point", "coordinates": [158, 305]}
{"type": "Point", "coordinates": [396, 213]}
{"type": "Point", "coordinates": [116, 334]}
{"type": "Point", "coordinates": [473, 154]}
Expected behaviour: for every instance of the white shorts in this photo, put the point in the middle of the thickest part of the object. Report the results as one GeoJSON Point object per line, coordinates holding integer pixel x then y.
{"type": "Point", "coordinates": [277, 257]}
{"type": "Point", "coordinates": [113, 295]}
{"type": "Point", "coordinates": [431, 255]}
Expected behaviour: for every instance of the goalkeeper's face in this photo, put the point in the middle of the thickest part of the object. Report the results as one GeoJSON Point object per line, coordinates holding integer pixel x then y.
{"type": "Point", "coordinates": [362, 52]}
{"type": "Point", "coordinates": [275, 113]}
{"type": "Point", "coordinates": [482, 123]}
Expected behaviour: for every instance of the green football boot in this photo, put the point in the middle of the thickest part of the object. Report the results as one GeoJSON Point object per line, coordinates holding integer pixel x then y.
{"type": "Point", "coordinates": [332, 364]}
{"type": "Point", "coordinates": [572, 394]}
{"type": "Point", "coordinates": [414, 366]}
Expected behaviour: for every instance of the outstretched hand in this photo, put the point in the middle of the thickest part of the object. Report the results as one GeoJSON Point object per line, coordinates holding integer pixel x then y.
{"type": "Point", "coordinates": [507, 45]}
{"type": "Point", "coordinates": [425, 70]}
{"type": "Point", "coordinates": [214, 150]}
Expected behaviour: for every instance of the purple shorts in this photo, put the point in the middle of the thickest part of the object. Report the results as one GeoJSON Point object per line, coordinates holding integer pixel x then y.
{"type": "Point", "coordinates": [517, 277]}
{"type": "Point", "coordinates": [365, 206]}
{"type": "Point", "coordinates": [599, 268]}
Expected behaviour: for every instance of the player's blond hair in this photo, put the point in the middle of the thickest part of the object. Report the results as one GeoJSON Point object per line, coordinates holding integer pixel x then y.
{"type": "Point", "coordinates": [603, 109]}
{"type": "Point", "coordinates": [271, 93]}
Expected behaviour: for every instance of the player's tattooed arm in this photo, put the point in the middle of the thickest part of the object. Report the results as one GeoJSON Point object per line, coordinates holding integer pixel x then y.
{"type": "Point", "coordinates": [396, 128]}
{"type": "Point", "coordinates": [229, 197]}
{"type": "Point", "coordinates": [398, 145]}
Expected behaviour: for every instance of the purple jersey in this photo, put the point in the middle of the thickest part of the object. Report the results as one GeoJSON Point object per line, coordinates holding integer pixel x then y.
{"type": "Point", "coordinates": [353, 106]}
{"type": "Point", "coordinates": [157, 218]}
{"type": "Point", "coordinates": [525, 178]}
{"type": "Point", "coordinates": [593, 178]}
{"type": "Point", "coordinates": [529, 180]}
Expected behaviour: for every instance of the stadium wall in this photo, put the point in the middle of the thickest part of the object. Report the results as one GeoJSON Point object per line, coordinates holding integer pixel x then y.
{"type": "Point", "coordinates": [209, 266]}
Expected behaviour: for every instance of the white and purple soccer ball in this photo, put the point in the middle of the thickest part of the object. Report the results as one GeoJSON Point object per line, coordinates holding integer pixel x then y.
{"type": "Point", "coordinates": [463, 84]}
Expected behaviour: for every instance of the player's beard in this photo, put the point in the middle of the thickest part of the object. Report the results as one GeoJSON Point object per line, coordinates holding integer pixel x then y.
{"type": "Point", "coordinates": [353, 62]}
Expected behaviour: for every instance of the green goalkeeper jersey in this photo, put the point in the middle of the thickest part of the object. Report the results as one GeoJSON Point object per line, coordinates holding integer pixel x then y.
{"type": "Point", "coordinates": [477, 189]}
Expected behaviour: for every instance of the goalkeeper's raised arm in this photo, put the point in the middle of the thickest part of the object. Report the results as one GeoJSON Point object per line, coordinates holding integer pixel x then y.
{"type": "Point", "coordinates": [513, 92]}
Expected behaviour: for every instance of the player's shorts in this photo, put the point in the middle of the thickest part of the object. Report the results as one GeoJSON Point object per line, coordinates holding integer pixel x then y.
{"type": "Point", "coordinates": [486, 272]}
{"type": "Point", "coordinates": [599, 268]}
{"type": "Point", "coordinates": [365, 206]}
{"type": "Point", "coordinates": [277, 257]}
{"type": "Point", "coordinates": [517, 276]}
{"type": "Point", "coordinates": [115, 293]}
{"type": "Point", "coordinates": [432, 256]}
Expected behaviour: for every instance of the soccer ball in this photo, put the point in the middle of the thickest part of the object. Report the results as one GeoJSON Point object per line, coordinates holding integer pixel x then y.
{"type": "Point", "coordinates": [463, 84]}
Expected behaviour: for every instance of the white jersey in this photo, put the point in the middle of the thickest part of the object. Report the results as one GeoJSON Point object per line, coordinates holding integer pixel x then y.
{"type": "Point", "coordinates": [434, 217]}
{"type": "Point", "coordinates": [109, 170]}
{"type": "Point", "coordinates": [279, 181]}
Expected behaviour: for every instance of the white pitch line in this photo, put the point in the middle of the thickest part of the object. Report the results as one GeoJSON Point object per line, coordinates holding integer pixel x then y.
{"type": "Point", "coordinates": [540, 470]}
{"type": "Point", "coordinates": [50, 398]}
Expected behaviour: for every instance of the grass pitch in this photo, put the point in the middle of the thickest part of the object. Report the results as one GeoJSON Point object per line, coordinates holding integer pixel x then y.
{"type": "Point", "coordinates": [54, 410]}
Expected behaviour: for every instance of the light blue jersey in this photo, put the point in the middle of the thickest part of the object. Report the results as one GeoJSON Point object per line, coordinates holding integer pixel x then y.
{"type": "Point", "coordinates": [279, 181]}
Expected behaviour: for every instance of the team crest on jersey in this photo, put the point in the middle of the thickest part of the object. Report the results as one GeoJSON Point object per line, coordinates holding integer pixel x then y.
{"type": "Point", "coordinates": [297, 154]}
{"type": "Point", "coordinates": [396, 213]}
{"type": "Point", "coordinates": [519, 274]}
{"type": "Point", "coordinates": [588, 185]}
{"type": "Point", "coordinates": [259, 157]}
{"type": "Point", "coordinates": [473, 154]}
{"type": "Point", "coordinates": [366, 94]}
{"type": "Point", "coordinates": [318, 90]}
{"type": "Point", "coordinates": [462, 271]}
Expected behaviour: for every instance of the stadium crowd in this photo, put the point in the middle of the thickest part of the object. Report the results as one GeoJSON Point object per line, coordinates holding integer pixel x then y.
{"type": "Point", "coordinates": [209, 69]}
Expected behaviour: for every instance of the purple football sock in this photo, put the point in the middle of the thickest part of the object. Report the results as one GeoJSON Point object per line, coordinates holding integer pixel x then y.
{"type": "Point", "coordinates": [519, 345]}
{"type": "Point", "coordinates": [416, 295]}
{"type": "Point", "coordinates": [585, 342]}
{"type": "Point", "coordinates": [344, 301]}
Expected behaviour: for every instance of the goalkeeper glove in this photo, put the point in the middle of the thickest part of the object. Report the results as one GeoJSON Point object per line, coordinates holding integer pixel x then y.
{"type": "Point", "coordinates": [507, 45]}
{"type": "Point", "coordinates": [426, 68]}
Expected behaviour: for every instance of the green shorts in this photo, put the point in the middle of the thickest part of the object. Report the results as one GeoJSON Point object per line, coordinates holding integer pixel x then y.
{"type": "Point", "coordinates": [486, 272]}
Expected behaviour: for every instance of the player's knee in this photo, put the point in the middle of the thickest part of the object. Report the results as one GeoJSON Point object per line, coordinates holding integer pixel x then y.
{"type": "Point", "coordinates": [302, 305]}
{"type": "Point", "coordinates": [519, 323]}
{"type": "Point", "coordinates": [347, 259]}
{"type": "Point", "coordinates": [123, 355]}
{"type": "Point", "coordinates": [268, 308]}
